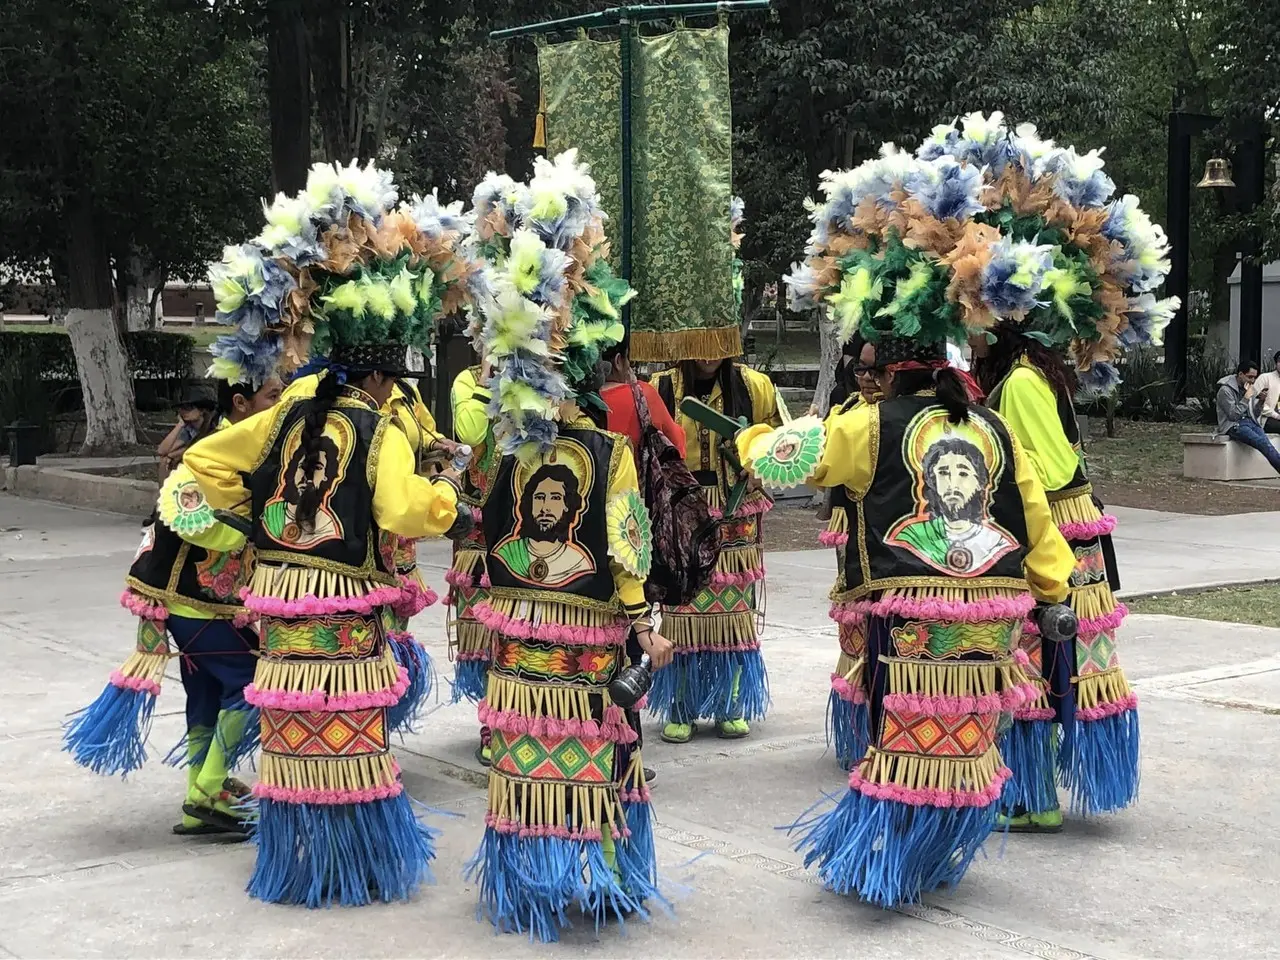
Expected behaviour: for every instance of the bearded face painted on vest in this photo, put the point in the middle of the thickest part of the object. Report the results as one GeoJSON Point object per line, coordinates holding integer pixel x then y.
{"type": "Point", "coordinates": [545, 552]}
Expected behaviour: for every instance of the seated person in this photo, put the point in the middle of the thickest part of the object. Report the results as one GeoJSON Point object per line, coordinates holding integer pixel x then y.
{"type": "Point", "coordinates": [1239, 404]}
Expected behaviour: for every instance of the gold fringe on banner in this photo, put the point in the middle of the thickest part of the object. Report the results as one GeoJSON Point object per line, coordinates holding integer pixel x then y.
{"type": "Point", "coordinates": [334, 677]}
{"type": "Point", "coordinates": [956, 678]}
{"type": "Point", "coordinates": [327, 773]}
{"type": "Point", "coordinates": [709, 629]}
{"type": "Point", "coordinates": [932, 773]}
{"type": "Point", "coordinates": [542, 700]}
{"type": "Point", "coordinates": [1096, 689]}
{"type": "Point", "coordinates": [294, 583]}
{"type": "Point", "coordinates": [539, 803]}
{"type": "Point", "coordinates": [671, 346]}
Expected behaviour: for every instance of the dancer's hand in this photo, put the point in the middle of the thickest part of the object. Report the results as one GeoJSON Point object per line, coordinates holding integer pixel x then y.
{"type": "Point", "coordinates": [661, 651]}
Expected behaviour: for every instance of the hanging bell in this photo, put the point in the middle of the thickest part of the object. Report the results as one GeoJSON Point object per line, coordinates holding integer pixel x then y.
{"type": "Point", "coordinates": [1217, 174]}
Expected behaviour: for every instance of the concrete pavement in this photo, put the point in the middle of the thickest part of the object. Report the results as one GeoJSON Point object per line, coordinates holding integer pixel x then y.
{"type": "Point", "coordinates": [88, 866]}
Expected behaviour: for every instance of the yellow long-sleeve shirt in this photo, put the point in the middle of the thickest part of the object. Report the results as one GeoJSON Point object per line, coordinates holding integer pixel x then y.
{"type": "Point", "coordinates": [469, 401]}
{"type": "Point", "coordinates": [412, 416]}
{"type": "Point", "coordinates": [1028, 405]}
{"type": "Point", "coordinates": [849, 461]}
{"type": "Point", "coordinates": [403, 502]}
{"type": "Point", "coordinates": [701, 446]}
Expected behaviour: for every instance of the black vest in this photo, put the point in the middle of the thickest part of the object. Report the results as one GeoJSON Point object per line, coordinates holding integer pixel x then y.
{"type": "Point", "coordinates": [345, 538]}
{"type": "Point", "coordinates": [735, 401]}
{"type": "Point", "coordinates": [1079, 482]}
{"type": "Point", "coordinates": [943, 507]}
{"type": "Point", "coordinates": [567, 553]}
{"type": "Point", "coordinates": [169, 568]}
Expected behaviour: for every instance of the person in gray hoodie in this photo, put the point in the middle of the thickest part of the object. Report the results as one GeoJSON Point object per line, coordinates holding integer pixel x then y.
{"type": "Point", "coordinates": [1238, 407]}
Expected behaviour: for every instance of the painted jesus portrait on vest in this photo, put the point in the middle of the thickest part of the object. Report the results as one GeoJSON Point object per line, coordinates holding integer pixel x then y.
{"type": "Point", "coordinates": [956, 469]}
{"type": "Point", "coordinates": [550, 500]}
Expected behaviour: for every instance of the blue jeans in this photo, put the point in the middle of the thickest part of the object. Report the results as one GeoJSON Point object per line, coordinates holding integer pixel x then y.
{"type": "Point", "coordinates": [1248, 431]}
{"type": "Point", "coordinates": [217, 663]}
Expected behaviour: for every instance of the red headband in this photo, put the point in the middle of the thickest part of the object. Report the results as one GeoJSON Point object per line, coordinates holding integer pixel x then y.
{"type": "Point", "coordinates": [970, 385]}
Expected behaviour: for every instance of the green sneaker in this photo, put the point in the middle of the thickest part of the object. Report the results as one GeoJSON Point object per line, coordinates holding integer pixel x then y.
{"type": "Point", "coordinates": [678, 732]}
{"type": "Point", "coordinates": [733, 729]}
{"type": "Point", "coordinates": [1048, 821]}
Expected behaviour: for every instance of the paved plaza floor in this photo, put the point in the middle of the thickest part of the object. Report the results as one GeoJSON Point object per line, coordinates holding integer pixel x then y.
{"type": "Point", "coordinates": [89, 868]}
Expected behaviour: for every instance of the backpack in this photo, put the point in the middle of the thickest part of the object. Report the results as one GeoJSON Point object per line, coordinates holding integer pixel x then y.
{"type": "Point", "coordinates": [686, 537]}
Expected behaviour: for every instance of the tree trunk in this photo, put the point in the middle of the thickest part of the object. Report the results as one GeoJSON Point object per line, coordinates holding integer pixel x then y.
{"type": "Point", "coordinates": [829, 360]}
{"type": "Point", "coordinates": [100, 358]}
{"type": "Point", "coordinates": [329, 52]}
{"type": "Point", "coordinates": [289, 96]}
{"type": "Point", "coordinates": [157, 281]}
{"type": "Point", "coordinates": [137, 295]}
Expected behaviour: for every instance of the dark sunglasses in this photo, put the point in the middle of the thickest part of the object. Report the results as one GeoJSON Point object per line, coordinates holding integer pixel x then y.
{"type": "Point", "coordinates": [861, 370]}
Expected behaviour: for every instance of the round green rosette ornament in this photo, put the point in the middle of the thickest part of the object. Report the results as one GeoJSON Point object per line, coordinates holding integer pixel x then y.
{"type": "Point", "coordinates": [183, 508]}
{"type": "Point", "coordinates": [793, 455]}
{"type": "Point", "coordinates": [630, 533]}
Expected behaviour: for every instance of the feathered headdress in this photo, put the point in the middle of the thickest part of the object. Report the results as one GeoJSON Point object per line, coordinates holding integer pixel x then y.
{"type": "Point", "coordinates": [344, 272]}
{"type": "Point", "coordinates": [987, 226]}
{"type": "Point", "coordinates": [555, 305]}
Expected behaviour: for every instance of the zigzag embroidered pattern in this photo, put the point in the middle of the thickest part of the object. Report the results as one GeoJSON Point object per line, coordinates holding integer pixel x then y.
{"type": "Point", "coordinates": [938, 735]}
{"type": "Point", "coordinates": [577, 759]}
{"type": "Point", "coordinates": [351, 733]}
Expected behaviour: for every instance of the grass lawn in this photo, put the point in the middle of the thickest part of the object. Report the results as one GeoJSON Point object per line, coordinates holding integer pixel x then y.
{"type": "Point", "coordinates": [1142, 467]}
{"type": "Point", "coordinates": [795, 348]}
{"type": "Point", "coordinates": [1258, 605]}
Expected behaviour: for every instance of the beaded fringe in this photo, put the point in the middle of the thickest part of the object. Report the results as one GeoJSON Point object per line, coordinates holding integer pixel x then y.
{"type": "Point", "coordinates": [295, 583]}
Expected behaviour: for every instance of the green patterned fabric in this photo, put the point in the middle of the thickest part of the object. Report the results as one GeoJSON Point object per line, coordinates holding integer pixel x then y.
{"type": "Point", "coordinates": [682, 260]}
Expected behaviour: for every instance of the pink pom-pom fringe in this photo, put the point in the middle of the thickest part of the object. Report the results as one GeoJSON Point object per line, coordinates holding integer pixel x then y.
{"type": "Point", "coordinates": [328, 797]}
{"type": "Point", "coordinates": [1104, 710]}
{"type": "Point", "coordinates": [414, 598]}
{"type": "Point", "coordinates": [929, 797]}
{"type": "Point", "coordinates": [613, 728]}
{"type": "Point", "coordinates": [525, 831]}
{"type": "Point", "coordinates": [943, 705]}
{"type": "Point", "coordinates": [317, 701]}
{"type": "Point", "coordinates": [965, 611]}
{"type": "Point", "coordinates": [1090, 626]}
{"type": "Point", "coordinates": [141, 607]}
{"type": "Point", "coordinates": [752, 509]}
{"type": "Point", "coordinates": [1034, 713]}
{"type": "Point", "coordinates": [745, 647]}
{"type": "Point", "coordinates": [721, 579]}
{"type": "Point", "coordinates": [1087, 531]}
{"type": "Point", "coordinates": [642, 703]}
{"type": "Point", "coordinates": [833, 538]}
{"type": "Point", "coordinates": [638, 795]}
{"type": "Point", "coordinates": [118, 679]}
{"type": "Point", "coordinates": [311, 606]}
{"type": "Point", "coordinates": [847, 691]}
{"type": "Point", "coordinates": [609, 636]}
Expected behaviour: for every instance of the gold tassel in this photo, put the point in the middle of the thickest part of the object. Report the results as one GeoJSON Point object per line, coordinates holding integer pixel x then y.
{"type": "Point", "coordinates": [714, 343]}
{"type": "Point", "coordinates": [294, 583]}
{"type": "Point", "coordinates": [932, 773]}
{"type": "Point", "coordinates": [1094, 601]}
{"type": "Point", "coordinates": [466, 561]}
{"type": "Point", "coordinates": [539, 803]}
{"type": "Point", "coordinates": [839, 522]}
{"type": "Point", "coordinates": [328, 773]}
{"type": "Point", "coordinates": [709, 630]}
{"type": "Point", "coordinates": [334, 677]}
{"type": "Point", "coordinates": [740, 560]}
{"type": "Point", "coordinates": [540, 122]}
{"type": "Point", "coordinates": [1097, 689]}
{"type": "Point", "coordinates": [956, 678]}
{"type": "Point", "coordinates": [549, 611]}
{"type": "Point", "coordinates": [471, 637]}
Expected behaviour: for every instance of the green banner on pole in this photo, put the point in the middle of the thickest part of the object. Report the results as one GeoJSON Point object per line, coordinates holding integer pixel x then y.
{"type": "Point", "coordinates": [682, 259]}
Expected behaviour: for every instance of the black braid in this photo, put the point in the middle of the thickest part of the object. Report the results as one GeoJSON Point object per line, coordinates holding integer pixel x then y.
{"type": "Point", "coordinates": [312, 431]}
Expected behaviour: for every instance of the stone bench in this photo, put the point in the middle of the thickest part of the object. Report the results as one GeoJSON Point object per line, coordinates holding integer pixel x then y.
{"type": "Point", "coordinates": [1206, 456]}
